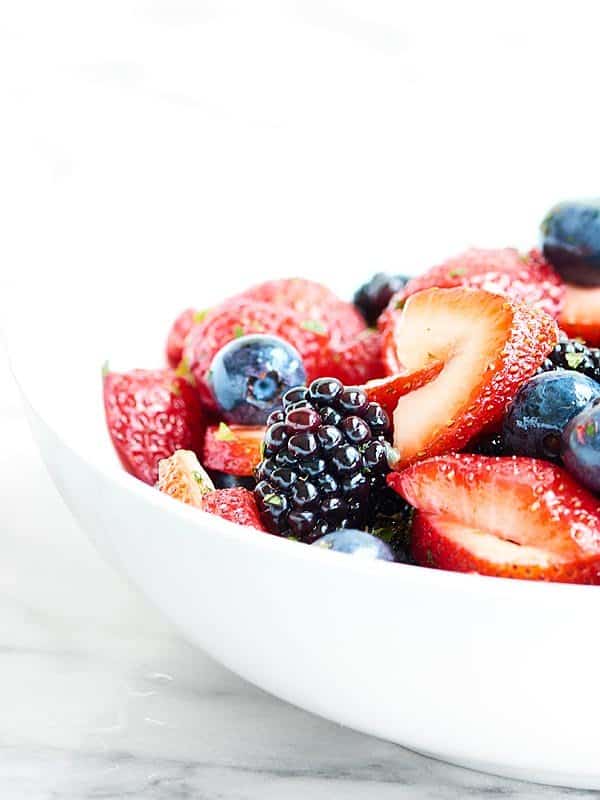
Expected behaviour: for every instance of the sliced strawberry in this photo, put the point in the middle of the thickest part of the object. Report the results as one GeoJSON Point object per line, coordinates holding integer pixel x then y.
{"type": "Point", "coordinates": [237, 505]}
{"type": "Point", "coordinates": [179, 330]}
{"type": "Point", "coordinates": [580, 316]}
{"type": "Point", "coordinates": [488, 345]}
{"type": "Point", "coordinates": [509, 517]}
{"type": "Point", "coordinates": [150, 414]}
{"type": "Point", "coordinates": [387, 391]}
{"type": "Point", "coordinates": [242, 316]}
{"type": "Point", "coordinates": [182, 477]}
{"type": "Point", "coordinates": [234, 449]}
{"type": "Point", "coordinates": [315, 304]}
{"type": "Point", "coordinates": [356, 362]}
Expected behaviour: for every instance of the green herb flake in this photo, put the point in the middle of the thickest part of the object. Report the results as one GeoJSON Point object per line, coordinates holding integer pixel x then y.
{"type": "Point", "coordinates": [457, 273]}
{"type": "Point", "coordinates": [314, 325]}
{"type": "Point", "coordinates": [574, 360]}
{"type": "Point", "coordinates": [199, 316]}
{"type": "Point", "coordinates": [224, 433]}
{"type": "Point", "coordinates": [238, 331]}
{"type": "Point", "coordinates": [273, 500]}
{"type": "Point", "coordinates": [198, 477]}
{"type": "Point", "coordinates": [399, 305]}
{"type": "Point", "coordinates": [590, 429]}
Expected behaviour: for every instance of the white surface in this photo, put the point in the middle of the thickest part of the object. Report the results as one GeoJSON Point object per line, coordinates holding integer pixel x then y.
{"type": "Point", "coordinates": [145, 141]}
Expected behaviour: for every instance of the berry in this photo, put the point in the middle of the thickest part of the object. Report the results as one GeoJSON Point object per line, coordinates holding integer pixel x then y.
{"type": "Point", "coordinates": [357, 543]}
{"type": "Point", "coordinates": [182, 477]}
{"type": "Point", "coordinates": [249, 375]}
{"type": "Point", "coordinates": [571, 241]}
{"type": "Point", "coordinates": [488, 346]}
{"type": "Point", "coordinates": [234, 449]}
{"type": "Point", "coordinates": [523, 278]}
{"type": "Point", "coordinates": [541, 410]}
{"type": "Point", "coordinates": [325, 463]}
{"type": "Point", "coordinates": [373, 296]}
{"type": "Point", "coordinates": [237, 318]}
{"type": "Point", "coordinates": [387, 391]}
{"type": "Point", "coordinates": [223, 480]}
{"type": "Point", "coordinates": [150, 414]}
{"type": "Point", "coordinates": [236, 505]}
{"type": "Point", "coordinates": [572, 354]}
{"type": "Point", "coordinates": [358, 361]}
{"type": "Point", "coordinates": [509, 517]}
{"type": "Point", "coordinates": [316, 305]}
{"type": "Point", "coordinates": [580, 315]}
{"type": "Point", "coordinates": [581, 446]}
{"type": "Point", "coordinates": [179, 330]}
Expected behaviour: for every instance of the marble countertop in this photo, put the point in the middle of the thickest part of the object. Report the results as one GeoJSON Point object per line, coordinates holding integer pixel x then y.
{"type": "Point", "coordinates": [101, 698]}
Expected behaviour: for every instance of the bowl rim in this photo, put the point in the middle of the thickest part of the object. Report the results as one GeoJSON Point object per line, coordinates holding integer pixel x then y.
{"type": "Point", "coordinates": [416, 576]}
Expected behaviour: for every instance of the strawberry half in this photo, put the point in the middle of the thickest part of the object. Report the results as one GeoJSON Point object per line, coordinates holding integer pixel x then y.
{"type": "Point", "coordinates": [580, 316]}
{"type": "Point", "coordinates": [387, 391]}
{"type": "Point", "coordinates": [234, 449]}
{"type": "Point", "coordinates": [237, 505]}
{"type": "Point", "coordinates": [150, 414]}
{"type": "Point", "coordinates": [488, 346]}
{"type": "Point", "coordinates": [508, 517]}
{"type": "Point", "coordinates": [314, 303]}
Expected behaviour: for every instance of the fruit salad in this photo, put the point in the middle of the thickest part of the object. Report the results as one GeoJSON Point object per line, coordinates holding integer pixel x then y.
{"type": "Point", "coordinates": [449, 420]}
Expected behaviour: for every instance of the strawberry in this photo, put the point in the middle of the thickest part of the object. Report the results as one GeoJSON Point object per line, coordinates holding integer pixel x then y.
{"type": "Point", "coordinates": [580, 316]}
{"type": "Point", "coordinates": [387, 391]}
{"type": "Point", "coordinates": [314, 303]}
{"type": "Point", "coordinates": [182, 477]}
{"type": "Point", "coordinates": [150, 414]}
{"type": "Point", "coordinates": [488, 345]}
{"type": "Point", "coordinates": [357, 361]}
{"type": "Point", "coordinates": [525, 278]}
{"type": "Point", "coordinates": [179, 330]}
{"type": "Point", "coordinates": [234, 449]}
{"type": "Point", "coordinates": [236, 505]}
{"type": "Point", "coordinates": [237, 317]}
{"type": "Point", "coordinates": [510, 517]}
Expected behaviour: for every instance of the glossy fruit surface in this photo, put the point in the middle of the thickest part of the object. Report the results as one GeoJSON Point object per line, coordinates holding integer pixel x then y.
{"type": "Point", "coordinates": [373, 296]}
{"type": "Point", "coordinates": [581, 447]}
{"type": "Point", "coordinates": [541, 410]}
{"type": "Point", "coordinates": [249, 375]}
{"type": "Point", "coordinates": [571, 240]}
{"type": "Point", "coordinates": [358, 543]}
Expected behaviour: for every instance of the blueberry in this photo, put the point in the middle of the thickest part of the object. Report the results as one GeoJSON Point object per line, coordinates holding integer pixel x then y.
{"type": "Point", "coordinates": [581, 446]}
{"type": "Point", "coordinates": [541, 410]}
{"type": "Point", "coordinates": [357, 543]}
{"type": "Point", "coordinates": [249, 376]}
{"type": "Point", "coordinates": [374, 296]}
{"type": "Point", "coordinates": [571, 241]}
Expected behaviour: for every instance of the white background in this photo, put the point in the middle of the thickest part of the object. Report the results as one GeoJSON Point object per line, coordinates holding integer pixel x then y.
{"type": "Point", "coordinates": [175, 149]}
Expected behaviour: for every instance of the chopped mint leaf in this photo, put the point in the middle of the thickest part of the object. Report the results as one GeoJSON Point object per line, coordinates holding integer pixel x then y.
{"type": "Point", "coordinates": [183, 370]}
{"type": "Point", "coordinates": [224, 433]}
{"type": "Point", "coordinates": [399, 305]}
{"type": "Point", "coordinates": [200, 315]}
{"type": "Point", "coordinates": [198, 477]}
{"type": "Point", "coordinates": [590, 429]}
{"type": "Point", "coordinates": [238, 331]}
{"type": "Point", "coordinates": [314, 325]}
{"type": "Point", "coordinates": [273, 500]}
{"type": "Point", "coordinates": [574, 360]}
{"type": "Point", "coordinates": [457, 273]}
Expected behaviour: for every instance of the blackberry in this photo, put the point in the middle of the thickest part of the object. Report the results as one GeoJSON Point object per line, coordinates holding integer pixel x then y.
{"type": "Point", "coordinates": [391, 520]}
{"type": "Point", "coordinates": [572, 354]}
{"type": "Point", "coordinates": [374, 295]}
{"type": "Point", "coordinates": [223, 480]}
{"type": "Point", "coordinates": [325, 461]}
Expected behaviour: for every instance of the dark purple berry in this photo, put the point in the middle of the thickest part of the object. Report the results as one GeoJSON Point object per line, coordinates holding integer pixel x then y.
{"type": "Point", "coordinates": [353, 400]}
{"type": "Point", "coordinates": [329, 437]}
{"type": "Point", "coordinates": [275, 438]}
{"type": "Point", "coordinates": [303, 445]}
{"type": "Point", "coordinates": [356, 430]}
{"type": "Point", "coordinates": [294, 395]}
{"type": "Point", "coordinates": [302, 419]}
{"type": "Point", "coordinates": [373, 297]}
{"type": "Point", "coordinates": [377, 419]}
{"type": "Point", "coordinates": [330, 416]}
{"type": "Point", "coordinates": [324, 391]}
{"type": "Point", "coordinates": [275, 416]}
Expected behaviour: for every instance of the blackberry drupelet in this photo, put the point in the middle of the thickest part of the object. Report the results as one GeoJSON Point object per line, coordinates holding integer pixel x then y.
{"type": "Point", "coordinates": [571, 354]}
{"type": "Point", "coordinates": [374, 295]}
{"type": "Point", "coordinates": [325, 461]}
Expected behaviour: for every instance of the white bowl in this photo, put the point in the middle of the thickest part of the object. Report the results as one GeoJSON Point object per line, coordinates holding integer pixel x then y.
{"type": "Point", "coordinates": [493, 674]}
